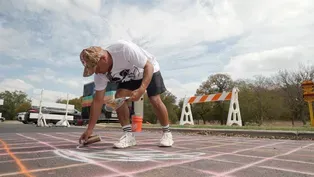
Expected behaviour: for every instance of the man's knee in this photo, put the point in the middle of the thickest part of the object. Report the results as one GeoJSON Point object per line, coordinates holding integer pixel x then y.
{"type": "Point", "coordinates": [155, 100]}
{"type": "Point", "coordinates": [122, 93]}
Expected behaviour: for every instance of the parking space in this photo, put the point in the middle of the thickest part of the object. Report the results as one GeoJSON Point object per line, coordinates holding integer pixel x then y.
{"type": "Point", "coordinates": [55, 152]}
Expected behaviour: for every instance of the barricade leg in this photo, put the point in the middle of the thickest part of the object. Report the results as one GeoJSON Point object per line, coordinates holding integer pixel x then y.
{"type": "Point", "coordinates": [234, 116]}
{"type": "Point", "coordinates": [186, 114]}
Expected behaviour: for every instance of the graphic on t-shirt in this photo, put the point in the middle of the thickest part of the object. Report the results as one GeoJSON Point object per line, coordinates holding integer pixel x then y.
{"type": "Point", "coordinates": [124, 75]}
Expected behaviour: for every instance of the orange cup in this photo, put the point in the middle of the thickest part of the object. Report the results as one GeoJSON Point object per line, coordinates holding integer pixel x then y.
{"type": "Point", "coordinates": [137, 123]}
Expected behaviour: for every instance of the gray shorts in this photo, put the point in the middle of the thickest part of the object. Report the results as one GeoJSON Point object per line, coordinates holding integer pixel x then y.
{"type": "Point", "coordinates": [155, 87]}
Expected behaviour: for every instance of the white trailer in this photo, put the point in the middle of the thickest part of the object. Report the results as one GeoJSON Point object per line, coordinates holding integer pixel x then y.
{"type": "Point", "coordinates": [50, 112]}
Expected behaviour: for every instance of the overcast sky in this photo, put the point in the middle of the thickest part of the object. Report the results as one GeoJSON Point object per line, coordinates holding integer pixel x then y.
{"type": "Point", "coordinates": [40, 40]}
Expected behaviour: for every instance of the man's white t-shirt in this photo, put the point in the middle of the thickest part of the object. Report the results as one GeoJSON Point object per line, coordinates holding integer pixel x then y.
{"type": "Point", "coordinates": [128, 64]}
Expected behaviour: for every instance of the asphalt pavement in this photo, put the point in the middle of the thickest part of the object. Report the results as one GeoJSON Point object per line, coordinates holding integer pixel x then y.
{"type": "Point", "coordinates": [27, 150]}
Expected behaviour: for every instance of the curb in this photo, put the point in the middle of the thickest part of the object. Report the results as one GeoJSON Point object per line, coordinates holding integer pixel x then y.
{"type": "Point", "coordinates": [275, 134]}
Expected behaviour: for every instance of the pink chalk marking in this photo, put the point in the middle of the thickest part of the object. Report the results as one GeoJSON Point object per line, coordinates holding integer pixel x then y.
{"type": "Point", "coordinates": [202, 148]}
{"type": "Point", "coordinates": [90, 161]}
{"type": "Point", "coordinates": [197, 159]}
{"type": "Point", "coordinates": [295, 161]}
{"type": "Point", "coordinates": [174, 152]}
{"type": "Point", "coordinates": [207, 172]}
{"type": "Point", "coordinates": [17, 144]}
{"type": "Point", "coordinates": [41, 142]}
{"type": "Point", "coordinates": [45, 169]}
{"type": "Point", "coordinates": [206, 147]}
{"type": "Point", "coordinates": [77, 137]}
{"type": "Point", "coordinates": [261, 161]}
{"type": "Point", "coordinates": [202, 171]}
{"type": "Point", "coordinates": [15, 139]}
{"type": "Point", "coordinates": [241, 150]}
{"type": "Point", "coordinates": [287, 170]}
{"type": "Point", "coordinates": [32, 152]}
{"type": "Point", "coordinates": [30, 159]}
{"type": "Point", "coordinates": [29, 147]}
{"type": "Point", "coordinates": [72, 141]}
{"type": "Point", "coordinates": [114, 140]}
{"type": "Point", "coordinates": [259, 157]}
{"type": "Point", "coordinates": [273, 168]}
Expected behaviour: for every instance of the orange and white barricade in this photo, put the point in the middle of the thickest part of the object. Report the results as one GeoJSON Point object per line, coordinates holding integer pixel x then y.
{"type": "Point", "coordinates": [234, 115]}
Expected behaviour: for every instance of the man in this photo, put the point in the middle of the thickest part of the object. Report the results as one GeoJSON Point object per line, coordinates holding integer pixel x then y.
{"type": "Point", "coordinates": [136, 71]}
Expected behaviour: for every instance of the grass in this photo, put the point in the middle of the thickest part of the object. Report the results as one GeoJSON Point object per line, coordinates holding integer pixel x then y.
{"type": "Point", "coordinates": [288, 128]}
{"type": "Point", "coordinates": [249, 127]}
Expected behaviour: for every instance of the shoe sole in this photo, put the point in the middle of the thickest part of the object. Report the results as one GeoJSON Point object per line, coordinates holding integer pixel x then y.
{"type": "Point", "coordinates": [160, 145]}
{"type": "Point", "coordinates": [134, 144]}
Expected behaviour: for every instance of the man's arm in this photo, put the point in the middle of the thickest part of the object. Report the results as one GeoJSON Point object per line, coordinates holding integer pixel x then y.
{"type": "Point", "coordinates": [148, 74]}
{"type": "Point", "coordinates": [95, 111]}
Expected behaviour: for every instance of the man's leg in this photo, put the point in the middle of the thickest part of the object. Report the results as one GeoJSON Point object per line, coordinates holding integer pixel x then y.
{"type": "Point", "coordinates": [159, 109]}
{"type": "Point", "coordinates": [155, 88]}
{"type": "Point", "coordinates": [123, 113]}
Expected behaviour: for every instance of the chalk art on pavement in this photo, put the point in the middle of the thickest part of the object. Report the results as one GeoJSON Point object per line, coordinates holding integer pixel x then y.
{"type": "Point", "coordinates": [125, 156]}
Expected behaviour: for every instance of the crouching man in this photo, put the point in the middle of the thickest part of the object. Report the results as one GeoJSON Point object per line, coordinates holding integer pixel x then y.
{"type": "Point", "coordinates": [136, 71]}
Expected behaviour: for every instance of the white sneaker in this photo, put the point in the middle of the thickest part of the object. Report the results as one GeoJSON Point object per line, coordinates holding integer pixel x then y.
{"type": "Point", "coordinates": [166, 140]}
{"type": "Point", "coordinates": [127, 140]}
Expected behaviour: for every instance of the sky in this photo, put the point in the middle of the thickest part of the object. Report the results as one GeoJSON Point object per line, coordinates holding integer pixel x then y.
{"type": "Point", "coordinates": [40, 40]}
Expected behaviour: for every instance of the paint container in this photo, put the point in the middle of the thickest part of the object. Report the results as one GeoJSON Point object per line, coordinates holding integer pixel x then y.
{"type": "Point", "coordinates": [92, 139]}
{"type": "Point", "coordinates": [137, 122]}
{"type": "Point", "coordinates": [115, 104]}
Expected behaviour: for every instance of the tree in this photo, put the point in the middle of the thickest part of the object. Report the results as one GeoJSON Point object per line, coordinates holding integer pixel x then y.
{"type": "Point", "coordinates": [246, 101]}
{"type": "Point", "coordinates": [180, 107]}
{"type": "Point", "coordinates": [260, 99]}
{"type": "Point", "coordinates": [202, 111]}
{"type": "Point", "coordinates": [170, 102]}
{"type": "Point", "coordinates": [215, 83]}
{"type": "Point", "coordinates": [149, 115]}
{"type": "Point", "coordinates": [290, 84]}
{"type": "Point", "coordinates": [13, 102]}
{"type": "Point", "coordinates": [23, 107]}
{"type": "Point", "coordinates": [77, 102]}
{"type": "Point", "coordinates": [261, 88]}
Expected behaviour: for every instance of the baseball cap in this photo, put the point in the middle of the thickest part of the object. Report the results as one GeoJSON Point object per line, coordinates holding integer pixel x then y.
{"type": "Point", "coordinates": [89, 58]}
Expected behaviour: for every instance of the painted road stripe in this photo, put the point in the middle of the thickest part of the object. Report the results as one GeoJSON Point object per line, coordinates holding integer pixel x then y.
{"type": "Point", "coordinates": [23, 169]}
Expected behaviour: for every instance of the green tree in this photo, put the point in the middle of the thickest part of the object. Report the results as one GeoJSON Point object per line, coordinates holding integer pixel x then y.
{"type": "Point", "coordinates": [13, 102]}
{"type": "Point", "coordinates": [149, 115]}
{"type": "Point", "coordinates": [290, 85]}
{"type": "Point", "coordinates": [77, 102]}
{"type": "Point", "coordinates": [170, 102]}
{"type": "Point", "coordinates": [23, 107]}
{"type": "Point", "coordinates": [216, 83]}
{"type": "Point", "coordinates": [265, 99]}
{"type": "Point", "coordinates": [180, 107]}
{"type": "Point", "coordinates": [246, 101]}
{"type": "Point", "coordinates": [259, 100]}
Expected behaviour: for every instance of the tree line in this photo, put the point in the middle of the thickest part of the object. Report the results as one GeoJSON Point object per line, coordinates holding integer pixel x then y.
{"type": "Point", "coordinates": [262, 99]}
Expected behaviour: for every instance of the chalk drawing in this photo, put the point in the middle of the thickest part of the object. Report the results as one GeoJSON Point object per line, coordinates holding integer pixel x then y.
{"type": "Point", "coordinates": [125, 156]}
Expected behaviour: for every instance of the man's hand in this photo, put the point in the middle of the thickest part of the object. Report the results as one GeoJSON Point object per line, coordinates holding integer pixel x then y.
{"type": "Point", "coordinates": [107, 99]}
{"type": "Point", "coordinates": [85, 135]}
{"type": "Point", "coordinates": [148, 74]}
{"type": "Point", "coordinates": [136, 94]}
{"type": "Point", "coordinates": [95, 111]}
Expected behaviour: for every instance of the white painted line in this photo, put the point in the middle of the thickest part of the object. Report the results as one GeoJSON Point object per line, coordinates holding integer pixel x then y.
{"type": "Point", "coordinates": [87, 160]}
{"type": "Point", "coordinates": [29, 159]}
{"type": "Point", "coordinates": [170, 164]}
{"type": "Point", "coordinates": [261, 161]}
